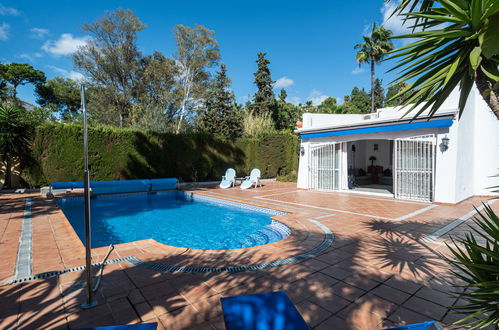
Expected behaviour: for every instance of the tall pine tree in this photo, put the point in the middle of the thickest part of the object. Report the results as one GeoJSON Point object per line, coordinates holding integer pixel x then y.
{"type": "Point", "coordinates": [379, 94]}
{"type": "Point", "coordinates": [221, 115]}
{"type": "Point", "coordinates": [264, 99]}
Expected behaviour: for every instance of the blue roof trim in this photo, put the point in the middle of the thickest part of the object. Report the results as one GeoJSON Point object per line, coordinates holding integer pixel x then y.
{"type": "Point", "coordinates": [380, 129]}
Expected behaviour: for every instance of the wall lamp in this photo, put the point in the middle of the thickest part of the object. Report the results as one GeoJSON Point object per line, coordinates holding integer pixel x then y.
{"type": "Point", "coordinates": [302, 151]}
{"type": "Point", "coordinates": [445, 144]}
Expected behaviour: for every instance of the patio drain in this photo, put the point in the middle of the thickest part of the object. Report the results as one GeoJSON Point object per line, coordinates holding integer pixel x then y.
{"type": "Point", "coordinates": [24, 258]}
{"type": "Point", "coordinates": [328, 240]}
{"type": "Point", "coordinates": [64, 271]}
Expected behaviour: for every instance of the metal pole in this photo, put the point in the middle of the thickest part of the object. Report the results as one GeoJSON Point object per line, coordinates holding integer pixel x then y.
{"type": "Point", "coordinates": [88, 251]}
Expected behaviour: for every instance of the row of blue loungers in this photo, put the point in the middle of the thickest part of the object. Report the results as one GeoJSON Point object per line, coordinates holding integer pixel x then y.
{"type": "Point", "coordinates": [119, 186]}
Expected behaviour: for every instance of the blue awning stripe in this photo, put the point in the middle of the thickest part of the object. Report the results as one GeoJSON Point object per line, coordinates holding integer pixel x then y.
{"type": "Point", "coordinates": [380, 129]}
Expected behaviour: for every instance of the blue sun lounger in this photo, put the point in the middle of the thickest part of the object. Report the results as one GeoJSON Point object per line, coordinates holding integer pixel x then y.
{"type": "Point", "coordinates": [263, 311]}
{"type": "Point", "coordinates": [430, 325]}
{"type": "Point", "coordinates": [141, 326]}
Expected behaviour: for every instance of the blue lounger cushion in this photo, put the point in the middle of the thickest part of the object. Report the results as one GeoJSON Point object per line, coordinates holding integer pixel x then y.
{"type": "Point", "coordinates": [163, 184]}
{"type": "Point", "coordinates": [430, 325]}
{"type": "Point", "coordinates": [141, 326]}
{"type": "Point", "coordinates": [263, 311]}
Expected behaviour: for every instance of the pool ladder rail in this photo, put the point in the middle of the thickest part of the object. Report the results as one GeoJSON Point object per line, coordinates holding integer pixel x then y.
{"type": "Point", "coordinates": [100, 271]}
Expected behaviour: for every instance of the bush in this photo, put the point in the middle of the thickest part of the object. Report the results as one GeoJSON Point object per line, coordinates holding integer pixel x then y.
{"type": "Point", "coordinates": [291, 177]}
{"type": "Point", "coordinates": [116, 154]}
{"type": "Point", "coordinates": [255, 125]}
{"type": "Point", "coordinates": [478, 268]}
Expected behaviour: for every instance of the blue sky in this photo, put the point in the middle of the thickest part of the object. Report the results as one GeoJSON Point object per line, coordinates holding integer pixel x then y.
{"type": "Point", "coordinates": [309, 43]}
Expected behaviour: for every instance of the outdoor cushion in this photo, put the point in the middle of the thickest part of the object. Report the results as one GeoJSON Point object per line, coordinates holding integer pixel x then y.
{"type": "Point", "coordinates": [430, 325]}
{"type": "Point", "coordinates": [263, 311]}
{"type": "Point", "coordinates": [141, 326]}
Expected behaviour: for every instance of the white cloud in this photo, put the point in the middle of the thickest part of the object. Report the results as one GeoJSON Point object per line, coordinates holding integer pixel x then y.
{"type": "Point", "coordinates": [358, 70]}
{"type": "Point", "coordinates": [67, 74]}
{"type": "Point", "coordinates": [394, 22]}
{"type": "Point", "coordinates": [66, 45]}
{"type": "Point", "coordinates": [283, 82]}
{"type": "Point", "coordinates": [4, 31]}
{"type": "Point", "coordinates": [317, 97]}
{"type": "Point", "coordinates": [76, 76]}
{"type": "Point", "coordinates": [38, 33]}
{"type": "Point", "coordinates": [9, 11]}
{"type": "Point", "coordinates": [38, 54]}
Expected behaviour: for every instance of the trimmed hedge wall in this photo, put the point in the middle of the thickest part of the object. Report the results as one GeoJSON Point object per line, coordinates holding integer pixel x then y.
{"type": "Point", "coordinates": [116, 154]}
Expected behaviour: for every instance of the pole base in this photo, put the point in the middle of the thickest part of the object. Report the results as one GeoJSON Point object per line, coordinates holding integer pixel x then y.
{"type": "Point", "coordinates": [89, 305]}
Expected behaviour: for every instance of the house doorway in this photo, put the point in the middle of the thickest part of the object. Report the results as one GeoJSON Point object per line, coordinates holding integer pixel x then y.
{"type": "Point", "coordinates": [414, 175]}
{"type": "Point", "coordinates": [325, 167]}
{"type": "Point", "coordinates": [370, 166]}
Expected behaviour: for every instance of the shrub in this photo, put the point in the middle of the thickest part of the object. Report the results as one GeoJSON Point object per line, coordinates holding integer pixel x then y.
{"type": "Point", "coordinates": [291, 177]}
{"type": "Point", "coordinates": [255, 124]}
{"type": "Point", "coordinates": [116, 154]}
{"type": "Point", "coordinates": [478, 267]}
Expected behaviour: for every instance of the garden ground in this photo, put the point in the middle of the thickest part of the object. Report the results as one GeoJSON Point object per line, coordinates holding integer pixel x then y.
{"type": "Point", "coordinates": [385, 266]}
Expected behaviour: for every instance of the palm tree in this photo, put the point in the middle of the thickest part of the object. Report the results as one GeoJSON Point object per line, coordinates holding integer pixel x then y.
{"type": "Point", "coordinates": [15, 135]}
{"type": "Point", "coordinates": [457, 46]}
{"type": "Point", "coordinates": [372, 51]}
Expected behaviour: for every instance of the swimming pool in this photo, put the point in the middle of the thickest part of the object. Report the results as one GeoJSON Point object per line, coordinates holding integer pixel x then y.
{"type": "Point", "coordinates": [175, 218]}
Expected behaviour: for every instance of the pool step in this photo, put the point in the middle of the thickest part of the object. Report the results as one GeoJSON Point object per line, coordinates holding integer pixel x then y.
{"type": "Point", "coordinates": [268, 234]}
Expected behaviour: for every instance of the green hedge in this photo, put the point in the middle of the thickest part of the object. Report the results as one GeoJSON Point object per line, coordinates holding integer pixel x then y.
{"type": "Point", "coordinates": [120, 154]}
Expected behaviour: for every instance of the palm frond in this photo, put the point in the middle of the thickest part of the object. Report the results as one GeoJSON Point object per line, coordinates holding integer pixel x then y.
{"type": "Point", "coordinates": [477, 264]}
{"type": "Point", "coordinates": [452, 45]}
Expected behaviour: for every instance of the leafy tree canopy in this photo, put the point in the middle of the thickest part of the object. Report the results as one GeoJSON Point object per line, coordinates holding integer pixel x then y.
{"type": "Point", "coordinates": [61, 95]}
{"type": "Point", "coordinates": [110, 59]}
{"type": "Point", "coordinates": [359, 101]}
{"type": "Point", "coordinates": [19, 74]}
{"type": "Point", "coordinates": [197, 51]}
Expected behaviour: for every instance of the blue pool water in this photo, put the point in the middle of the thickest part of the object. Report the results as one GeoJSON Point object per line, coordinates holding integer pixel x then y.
{"type": "Point", "coordinates": [174, 218]}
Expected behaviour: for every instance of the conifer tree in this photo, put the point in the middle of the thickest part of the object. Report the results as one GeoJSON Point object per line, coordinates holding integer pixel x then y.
{"type": "Point", "coordinates": [282, 95]}
{"type": "Point", "coordinates": [221, 115]}
{"type": "Point", "coordinates": [378, 93]}
{"type": "Point", "coordinates": [264, 99]}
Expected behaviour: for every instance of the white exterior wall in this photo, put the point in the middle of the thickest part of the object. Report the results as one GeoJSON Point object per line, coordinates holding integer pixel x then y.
{"type": "Point", "coordinates": [471, 163]}
{"type": "Point", "coordinates": [465, 160]}
{"type": "Point", "coordinates": [486, 149]}
{"type": "Point", "coordinates": [445, 166]}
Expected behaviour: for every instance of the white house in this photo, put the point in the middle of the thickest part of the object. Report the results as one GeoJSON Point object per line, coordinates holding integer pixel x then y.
{"type": "Point", "coordinates": [442, 159]}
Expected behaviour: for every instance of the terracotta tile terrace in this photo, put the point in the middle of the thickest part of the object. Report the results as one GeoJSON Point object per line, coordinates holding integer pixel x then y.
{"type": "Point", "coordinates": [385, 266]}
